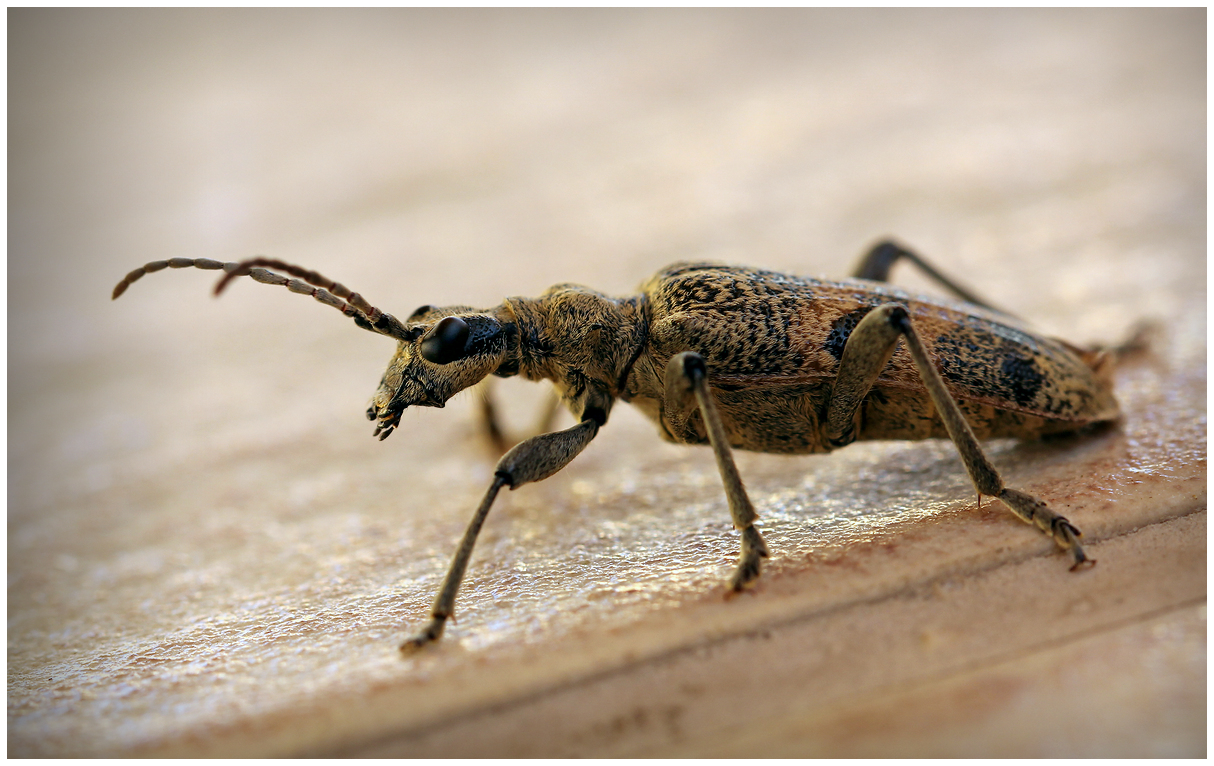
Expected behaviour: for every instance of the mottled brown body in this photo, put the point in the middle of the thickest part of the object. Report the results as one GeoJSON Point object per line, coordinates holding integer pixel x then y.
{"type": "Point", "coordinates": [773, 343]}
{"type": "Point", "coordinates": [733, 357]}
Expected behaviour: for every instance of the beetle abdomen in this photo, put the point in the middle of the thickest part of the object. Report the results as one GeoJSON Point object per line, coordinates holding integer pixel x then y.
{"type": "Point", "coordinates": [764, 331]}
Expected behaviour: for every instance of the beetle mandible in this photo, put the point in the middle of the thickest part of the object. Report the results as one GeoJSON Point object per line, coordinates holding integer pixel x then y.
{"type": "Point", "coordinates": [736, 358]}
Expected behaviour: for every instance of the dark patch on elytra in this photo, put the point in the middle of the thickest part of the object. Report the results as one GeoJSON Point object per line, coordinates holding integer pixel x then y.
{"type": "Point", "coordinates": [990, 366]}
{"type": "Point", "coordinates": [1022, 377]}
{"type": "Point", "coordinates": [841, 330]}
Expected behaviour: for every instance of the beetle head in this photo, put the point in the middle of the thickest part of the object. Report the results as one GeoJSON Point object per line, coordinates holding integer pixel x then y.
{"type": "Point", "coordinates": [442, 352]}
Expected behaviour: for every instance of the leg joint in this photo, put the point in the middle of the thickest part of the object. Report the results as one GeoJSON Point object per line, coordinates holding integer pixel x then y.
{"type": "Point", "coordinates": [899, 319]}
{"type": "Point", "coordinates": [694, 368]}
{"type": "Point", "coordinates": [595, 413]}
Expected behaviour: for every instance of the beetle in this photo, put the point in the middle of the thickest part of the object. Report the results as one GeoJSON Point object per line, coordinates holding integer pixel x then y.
{"type": "Point", "coordinates": [735, 358]}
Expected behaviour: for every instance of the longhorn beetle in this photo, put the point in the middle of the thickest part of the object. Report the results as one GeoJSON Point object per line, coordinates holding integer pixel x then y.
{"type": "Point", "coordinates": [737, 358]}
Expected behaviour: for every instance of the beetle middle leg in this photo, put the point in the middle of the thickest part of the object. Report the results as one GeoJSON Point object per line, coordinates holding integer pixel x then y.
{"type": "Point", "coordinates": [866, 353]}
{"type": "Point", "coordinates": [687, 377]}
{"type": "Point", "coordinates": [491, 420]}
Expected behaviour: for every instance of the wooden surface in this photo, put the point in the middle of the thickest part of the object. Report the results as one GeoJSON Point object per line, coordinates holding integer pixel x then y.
{"type": "Point", "coordinates": [209, 555]}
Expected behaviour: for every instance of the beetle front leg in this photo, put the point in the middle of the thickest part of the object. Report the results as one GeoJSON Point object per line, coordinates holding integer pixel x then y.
{"type": "Point", "coordinates": [687, 376]}
{"type": "Point", "coordinates": [866, 353]}
{"type": "Point", "coordinates": [533, 460]}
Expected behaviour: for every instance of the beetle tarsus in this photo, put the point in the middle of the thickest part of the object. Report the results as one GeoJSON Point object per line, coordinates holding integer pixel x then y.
{"type": "Point", "coordinates": [432, 633]}
{"type": "Point", "coordinates": [754, 550]}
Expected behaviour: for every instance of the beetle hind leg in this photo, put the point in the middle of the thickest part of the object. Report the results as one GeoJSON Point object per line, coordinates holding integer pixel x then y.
{"type": "Point", "coordinates": [1032, 511]}
{"type": "Point", "coordinates": [865, 354]}
{"type": "Point", "coordinates": [880, 259]}
{"type": "Point", "coordinates": [687, 380]}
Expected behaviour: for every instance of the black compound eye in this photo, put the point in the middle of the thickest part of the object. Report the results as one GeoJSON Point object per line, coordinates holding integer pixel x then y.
{"type": "Point", "coordinates": [446, 341]}
{"type": "Point", "coordinates": [421, 311]}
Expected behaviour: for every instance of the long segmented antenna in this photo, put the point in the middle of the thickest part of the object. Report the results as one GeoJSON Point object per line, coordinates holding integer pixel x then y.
{"type": "Point", "coordinates": [309, 282]}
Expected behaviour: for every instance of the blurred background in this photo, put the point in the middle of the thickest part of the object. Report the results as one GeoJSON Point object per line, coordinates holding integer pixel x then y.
{"type": "Point", "coordinates": [202, 537]}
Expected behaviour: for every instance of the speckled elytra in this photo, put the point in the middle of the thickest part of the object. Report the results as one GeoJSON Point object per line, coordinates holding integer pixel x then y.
{"type": "Point", "coordinates": [737, 358]}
